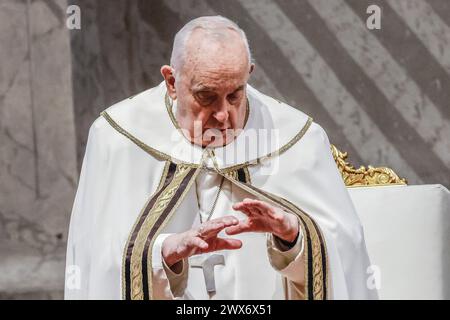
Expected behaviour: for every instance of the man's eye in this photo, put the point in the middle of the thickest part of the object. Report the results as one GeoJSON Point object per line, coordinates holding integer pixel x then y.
{"type": "Point", "coordinates": [205, 98]}
{"type": "Point", "coordinates": [234, 97]}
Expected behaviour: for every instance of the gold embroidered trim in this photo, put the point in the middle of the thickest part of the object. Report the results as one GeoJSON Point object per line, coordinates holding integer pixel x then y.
{"type": "Point", "coordinates": [318, 272]}
{"type": "Point", "coordinates": [168, 218]}
{"type": "Point", "coordinates": [318, 286]}
{"type": "Point", "coordinates": [153, 152]}
{"type": "Point", "coordinates": [247, 175]}
{"type": "Point", "coordinates": [160, 205]}
{"type": "Point", "coordinates": [278, 152]}
{"type": "Point", "coordinates": [124, 260]}
{"type": "Point", "coordinates": [315, 240]}
{"type": "Point", "coordinates": [165, 157]}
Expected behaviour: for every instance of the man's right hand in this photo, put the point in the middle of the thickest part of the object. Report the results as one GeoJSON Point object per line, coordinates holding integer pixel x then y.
{"type": "Point", "coordinates": [202, 239]}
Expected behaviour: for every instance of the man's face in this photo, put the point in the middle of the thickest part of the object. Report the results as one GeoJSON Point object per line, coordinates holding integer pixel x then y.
{"type": "Point", "coordinates": [211, 92]}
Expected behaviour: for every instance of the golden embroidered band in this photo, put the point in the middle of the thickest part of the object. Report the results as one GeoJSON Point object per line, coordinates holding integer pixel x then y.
{"type": "Point", "coordinates": [315, 256]}
{"type": "Point", "coordinates": [175, 183]}
{"type": "Point", "coordinates": [165, 157]}
{"type": "Point", "coordinates": [137, 264]}
{"type": "Point", "coordinates": [176, 180]}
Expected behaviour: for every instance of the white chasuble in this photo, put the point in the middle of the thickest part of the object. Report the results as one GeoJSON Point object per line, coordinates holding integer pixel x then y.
{"type": "Point", "coordinates": [142, 180]}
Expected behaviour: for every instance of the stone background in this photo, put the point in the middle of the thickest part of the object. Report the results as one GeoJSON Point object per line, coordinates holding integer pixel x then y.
{"type": "Point", "coordinates": [382, 95]}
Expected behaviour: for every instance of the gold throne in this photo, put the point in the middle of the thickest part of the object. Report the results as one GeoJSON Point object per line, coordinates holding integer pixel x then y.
{"type": "Point", "coordinates": [370, 176]}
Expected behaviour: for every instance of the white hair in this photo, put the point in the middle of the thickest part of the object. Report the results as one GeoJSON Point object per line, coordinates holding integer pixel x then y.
{"type": "Point", "coordinates": [215, 26]}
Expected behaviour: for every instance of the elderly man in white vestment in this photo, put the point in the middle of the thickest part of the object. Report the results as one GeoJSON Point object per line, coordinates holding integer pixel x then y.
{"type": "Point", "coordinates": [205, 188]}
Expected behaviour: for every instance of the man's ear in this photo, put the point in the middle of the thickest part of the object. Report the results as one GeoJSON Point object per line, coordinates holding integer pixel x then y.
{"type": "Point", "coordinates": [252, 67]}
{"type": "Point", "coordinates": [169, 77]}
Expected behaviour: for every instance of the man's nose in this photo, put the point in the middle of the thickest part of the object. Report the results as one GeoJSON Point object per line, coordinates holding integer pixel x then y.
{"type": "Point", "coordinates": [222, 114]}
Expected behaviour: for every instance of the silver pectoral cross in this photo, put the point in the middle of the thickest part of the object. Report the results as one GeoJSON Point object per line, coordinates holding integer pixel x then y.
{"type": "Point", "coordinates": [208, 264]}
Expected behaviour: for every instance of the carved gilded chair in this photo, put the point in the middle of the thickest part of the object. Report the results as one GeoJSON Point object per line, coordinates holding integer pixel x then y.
{"type": "Point", "coordinates": [406, 230]}
{"type": "Point", "coordinates": [370, 176]}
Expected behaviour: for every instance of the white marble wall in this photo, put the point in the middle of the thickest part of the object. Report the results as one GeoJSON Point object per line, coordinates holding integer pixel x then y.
{"type": "Point", "coordinates": [38, 170]}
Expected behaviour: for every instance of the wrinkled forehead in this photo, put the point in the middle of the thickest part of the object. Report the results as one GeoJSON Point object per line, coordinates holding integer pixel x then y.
{"type": "Point", "coordinates": [209, 60]}
{"type": "Point", "coordinates": [217, 76]}
{"type": "Point", "coordinates": [224, 46]}
{"type": "Point", "coordinates": [217, 84]}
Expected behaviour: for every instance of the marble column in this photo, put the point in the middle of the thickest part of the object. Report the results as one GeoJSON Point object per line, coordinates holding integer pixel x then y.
{"type": "Point", "coordinates": [38, 169]}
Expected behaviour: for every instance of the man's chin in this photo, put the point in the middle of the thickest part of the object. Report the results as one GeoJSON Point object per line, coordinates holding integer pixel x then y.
{"type": "Point", "coordinates": [216, 143]}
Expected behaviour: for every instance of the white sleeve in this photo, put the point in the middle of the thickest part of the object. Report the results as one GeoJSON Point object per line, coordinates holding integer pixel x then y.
{"type": "Point", "coordinates": [167, 284]}
{"type": "Point", "coordinates": [86, 205]}
{"type": "Point", "coordinates": [287, 261]}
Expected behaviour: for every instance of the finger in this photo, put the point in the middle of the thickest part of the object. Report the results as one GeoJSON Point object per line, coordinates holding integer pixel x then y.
{"type": "Point", "coordinates": [264, 206]}
{"type": "Point", "coordinates": [228, 244]}
{"type": "Point", "coordinates": [210, 228]}
{"type": "Point", "coordinates": [255, 209]}
{"type": "Point", "coordinates": [246, 211]}
{"type": "Point", "coordinates": [261, 207]}
{"type": "Point", "coordinates": [241, 203]}
{"type": "Point", "coordinates": [199, 243]}
{"type": "Point", "coordinates": [244, 206]}
{"type": "Point", "coordinates": [259, 203]}
{"type": "Point", "coordinates": [213, 227]}
{"type": "Point", "coordinates": [243, 226]}
{"type": "Point", "coordinates": [229, 220]}
{"type": "Point", "coordinates": [249, 208]}
{"type": "Point", "coordinates": [273, 211]}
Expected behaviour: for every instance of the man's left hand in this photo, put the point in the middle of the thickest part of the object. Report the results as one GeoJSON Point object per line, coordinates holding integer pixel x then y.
{"type": "Point", "coordinates": [263, 217]}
